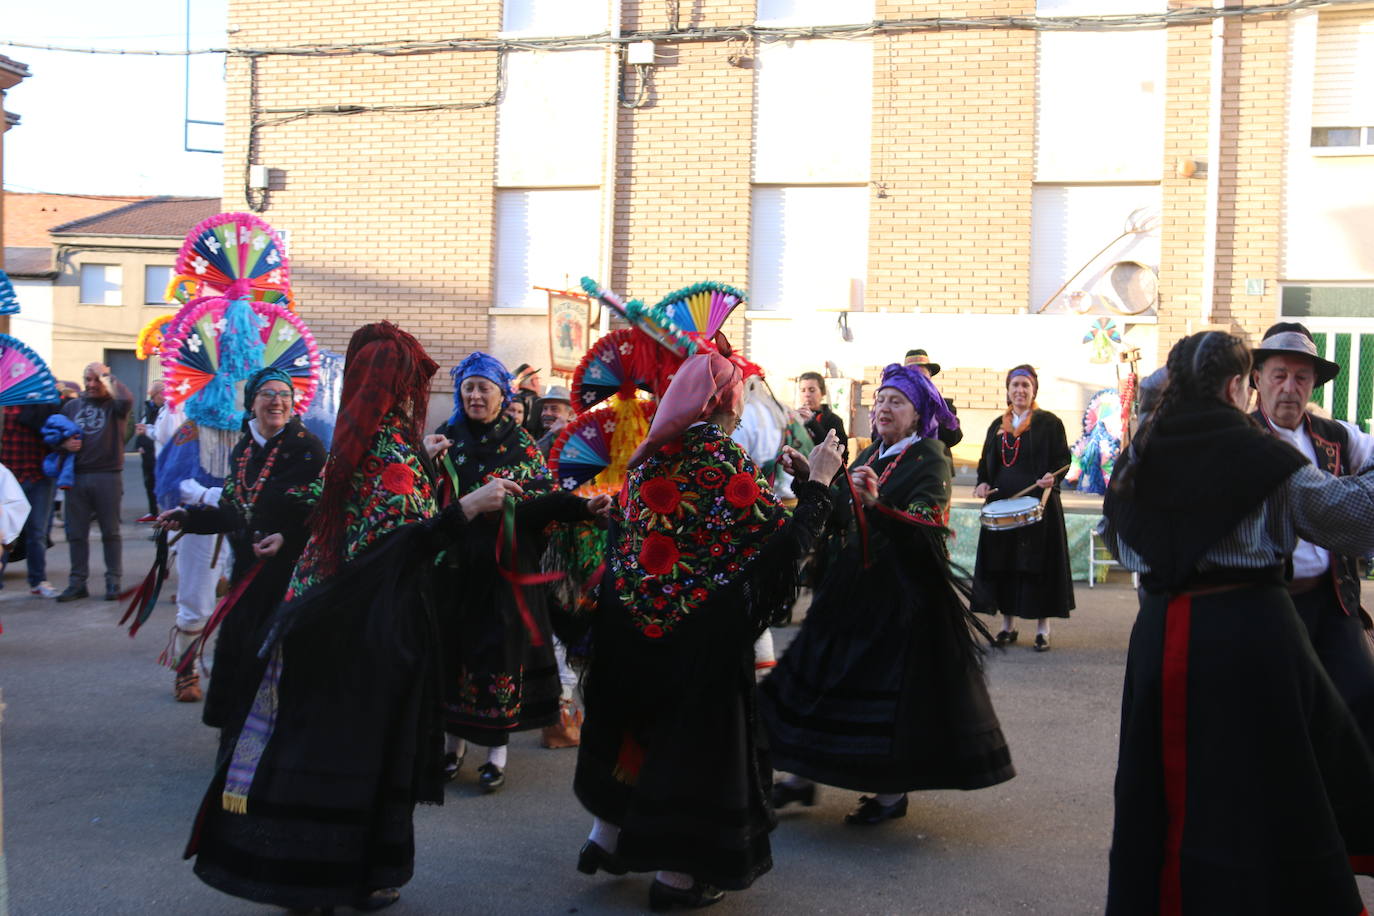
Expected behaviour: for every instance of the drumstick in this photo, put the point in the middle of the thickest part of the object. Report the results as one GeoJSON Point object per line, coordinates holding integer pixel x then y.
{"type": "Point", "coordinates": [1034, 485]}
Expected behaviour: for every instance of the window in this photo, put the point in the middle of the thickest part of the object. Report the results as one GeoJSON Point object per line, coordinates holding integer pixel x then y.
{"type": "Point", "coordinates": [814, 12]}
{"type": "Point", "coordinates": [548, 124]}
{"type": "Point", "coordinates": [814, 112]}
{"type": "Point", "coordinates": [155, 282]}
{"type": "Point", "coordinates": [1327, 302]}
{"type": "Point", "coordinates": [544, 238]}
{"type": "Point", "coordinates": [809, 247]}
{"type": "Point", "coordinates": [1343, 81]}
{"type": "Point", "coordinates": [1070, 224]}
{"type": "Point", "coordinates": [100, 284]}
{"type": "Point", "coordinates": [555, 17]}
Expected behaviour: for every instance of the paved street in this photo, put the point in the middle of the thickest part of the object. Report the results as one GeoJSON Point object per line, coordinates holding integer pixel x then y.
{"type": "Point", "coordinates": [103, 771]}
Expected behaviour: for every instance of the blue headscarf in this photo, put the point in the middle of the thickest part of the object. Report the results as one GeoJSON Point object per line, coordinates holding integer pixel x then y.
{"type": "Point", "coordinates": [260, 378]}
{"type": "Point", "coordinates": [480, 364]}
{"type": "Point", "coordinates": [931, 410]}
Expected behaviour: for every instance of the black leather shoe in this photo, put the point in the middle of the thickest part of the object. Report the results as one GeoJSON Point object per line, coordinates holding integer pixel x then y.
{"type": "Point", "coordinates": [74, 593]}
{"type": "Point", "coordinates": [452, 764]}
{"type": "Point", "coordinates": [111, 594]}
{"type": "Point", "coordinates": [490, 777]}
{"type": "Point", "coordinates": [1006, 637]}
{"type": "Point", "coordinates": [377, 900]}
{"type": "Point", "coordinates": [871, 811]}
{"type": "Point", "coordinates": [1041, 643]}
{"type": "Point", "coordinates": [784, 794]}
{"type": "Point", "coordinates": [592, 857]}
{"type": "Point", "coordinates": [663, 897]}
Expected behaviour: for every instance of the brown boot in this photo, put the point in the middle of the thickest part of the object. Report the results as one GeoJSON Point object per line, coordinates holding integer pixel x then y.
{"type": "Point", "coordinates": [568, 730]}
{"type": "Point", "coordinates": [187, 688]}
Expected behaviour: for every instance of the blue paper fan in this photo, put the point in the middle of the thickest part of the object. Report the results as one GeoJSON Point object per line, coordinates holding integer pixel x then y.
{"type": "Point", "coordinates": [9, 299]}
{"type": "Point", "coordinates": [618, 363]}
{"type": "Point", "coordinates": [24, 377]}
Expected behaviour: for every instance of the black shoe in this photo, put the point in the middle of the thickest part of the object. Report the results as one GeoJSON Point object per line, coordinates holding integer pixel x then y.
{"type": "Point", "coordinates": [112, 594]}
{"type": "Point", "coordinates": [1041, 643]}
{"type": "Point", "coordinates": [452, 764]}
{"type": "Point", "coordinates": [663, 897]}
{"type": "Point", "coordinates": [490, 777]}
{"type": "Point", "coordinates": [74, 593]}
{"type": "Point", "coordinates": [785, 793]}
{"type": "Point", "coordinates": [593, 857]}
{"type": "Point", "coordinates": [1007, 637]}
{"type": "Point", "coordinates": [377, 900]}
{"type": "Point", "coordinates": [871, 811]}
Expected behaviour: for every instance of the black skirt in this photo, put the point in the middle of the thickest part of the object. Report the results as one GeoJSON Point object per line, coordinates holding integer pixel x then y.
{"type": "Point", "coordinates": [881, 691]}
{"type": "Point", "coordinates": [1025, 572]}
{"type": "Point", "coordinates": [1243, 784]}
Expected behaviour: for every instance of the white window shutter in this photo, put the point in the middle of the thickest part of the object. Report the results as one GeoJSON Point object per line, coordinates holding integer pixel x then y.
{"type": "Point", "coordinates": [814, 112]}
{"type": "Point", "coordinates": [814, 12]}
{"type": "Point", "coordinates": [100, 284]}
{"type": "Point", "coordinates": [547, 237]}
{"type": "Point", "coordinates": [807, 246]}
{"type": "Point", "coordinates": [1343, 85]}
{"type": "Point", "coordinates": [1071, 223]}
{"type": "Point", "coordinates": [555, 17]}
{"type": "Point", "coordinates": [549, 125]}
{"type": "Point", "coordinates": [1100, 106]}
{"type": "Point", "coordinates": [155, 281]}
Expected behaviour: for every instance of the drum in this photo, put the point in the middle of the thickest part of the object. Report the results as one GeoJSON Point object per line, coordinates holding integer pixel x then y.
{"type": "Point", "coordinates": [1020, 512]}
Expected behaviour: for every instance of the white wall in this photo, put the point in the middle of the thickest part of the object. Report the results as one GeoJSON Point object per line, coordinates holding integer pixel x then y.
{"type": "Point", "coordinates": [33, 324]}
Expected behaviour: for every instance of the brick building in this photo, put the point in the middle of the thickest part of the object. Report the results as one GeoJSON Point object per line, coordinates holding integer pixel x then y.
{"type": "Point", "coordinates": [878, 179]}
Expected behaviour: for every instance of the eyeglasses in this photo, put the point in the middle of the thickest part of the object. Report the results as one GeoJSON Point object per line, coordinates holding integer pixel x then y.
{"type": "Point", "coordinates": [276, 395]}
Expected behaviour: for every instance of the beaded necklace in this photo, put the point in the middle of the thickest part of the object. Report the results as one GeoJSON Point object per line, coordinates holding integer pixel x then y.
{"type": "Point", "coordinates": [887, 472]}
{"type": "Point", "coordinates": [248, 494]}
{"type": "Point", "coordinates": [1015, 451]}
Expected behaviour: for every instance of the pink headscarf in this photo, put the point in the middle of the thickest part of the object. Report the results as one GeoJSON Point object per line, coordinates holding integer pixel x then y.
{"type": "Point", "coordinates": [704, 385]}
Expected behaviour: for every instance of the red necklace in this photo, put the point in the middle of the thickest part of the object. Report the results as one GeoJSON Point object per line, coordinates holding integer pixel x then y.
{"type": "Point", "coordinates": [248, 494]}
{"type": "Point", "coordinates": [1015, 451]}
{"type": "Point", "coordinates": [887, 472]}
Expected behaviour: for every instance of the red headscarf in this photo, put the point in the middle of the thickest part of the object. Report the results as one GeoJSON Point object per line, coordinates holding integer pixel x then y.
{"type": "Point", "coordinates": [385, 368]}
{"type": "Point", "coordinates": [704, 385]}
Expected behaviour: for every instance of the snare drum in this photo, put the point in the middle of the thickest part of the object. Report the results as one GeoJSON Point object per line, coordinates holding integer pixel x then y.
{"type": "Point", "coordinates": [1020, 512]}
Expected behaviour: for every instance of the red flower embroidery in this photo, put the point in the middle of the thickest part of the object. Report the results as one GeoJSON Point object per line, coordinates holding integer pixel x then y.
{"type": "Point", "coordinates": [660, 602]}
{"type": "Point", "coordinates": [399, 479]}
{"type": "Point", "coordinates": [698, 594]}
{"type": "Point", "coordinates": [661, 495]}
{"type": "Point", "coordinates": [710, 477]}
{"type": "Point", "coordinates": [658, 555]}
{"type": "Point", "coordinates": [742, 490]}
{"type": "Point", "coordinates": [372, 465]}
{"type": "Point", "coordinates": [717, 549]}
{"type": "Point", "coordinates": [653, 631]}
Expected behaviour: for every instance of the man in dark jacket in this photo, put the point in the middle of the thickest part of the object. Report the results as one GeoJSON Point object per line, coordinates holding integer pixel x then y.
{"type": "Point", "coordinates": [921, 360]}
{"type": "Point", "coordinates": [146, 448]}
{"type": "Point", "coordinates": [101, 411]}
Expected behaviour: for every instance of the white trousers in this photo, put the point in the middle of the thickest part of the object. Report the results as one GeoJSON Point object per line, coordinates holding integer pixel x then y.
{"type": "Point", "coordinates": [196, 580]}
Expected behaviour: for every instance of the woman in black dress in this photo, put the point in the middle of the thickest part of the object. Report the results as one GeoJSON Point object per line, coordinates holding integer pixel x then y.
{"type": "Point", "coordinates": [266, 529]}
{"type": "Point", "coordinates": [882, 690]}
{"type": "Point", "coordinates": [700, 558]}
{"type": "Point", "coordinates": [1024, 572]}
{"type": "Point", "coordinates": [1243, 783]}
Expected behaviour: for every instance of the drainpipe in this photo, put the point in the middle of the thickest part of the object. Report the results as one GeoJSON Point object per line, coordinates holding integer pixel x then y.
{"type": "Point", "coordinates": [608, 171]}
{"type": "Point", "coordinates": [1213, 195]}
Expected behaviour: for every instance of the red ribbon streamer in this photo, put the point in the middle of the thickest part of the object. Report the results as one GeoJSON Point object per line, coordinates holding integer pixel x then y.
{"type": "Point", "coordinates": [509, 568]}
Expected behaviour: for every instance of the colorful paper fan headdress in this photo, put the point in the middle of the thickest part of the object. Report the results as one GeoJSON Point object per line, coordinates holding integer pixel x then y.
{"type": "Point", "coordinates": [620, 363]}
{"type": "Point", "coordinates": [24, 377]}
{"type": "Point", "coordinates": [9, 299]}
{"type": "Point", "coordinates": [595, 446]}
{"type": "Point", "coordinates": [233, 254]}
{"type": "Point", "coordinates": [150, 338]}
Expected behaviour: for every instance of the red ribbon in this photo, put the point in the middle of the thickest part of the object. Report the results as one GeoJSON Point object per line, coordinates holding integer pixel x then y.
{"type": "Point", "coordinates": [509, 568]}
{"type": "Point", "coordinates": [226, 604]}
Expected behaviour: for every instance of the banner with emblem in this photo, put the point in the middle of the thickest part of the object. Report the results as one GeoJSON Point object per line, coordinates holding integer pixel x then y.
{"type": "Point", "coordinates": [569, 329]}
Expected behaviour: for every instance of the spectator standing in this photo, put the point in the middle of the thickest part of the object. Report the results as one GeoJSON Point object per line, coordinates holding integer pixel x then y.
{"type": "Point", "coordinates": [920, 360]}
{"type": "Point", "coordinates": [528, 388]}
{"type": "Point", "coordinates": [22, 451]}
{"type": "Point", "coordinates": [101, 412]}
{"type": "Point", "coordinates": [816, 414]}
{"type": "Point", "coordinates": [146, 446]}
{"type": "Point", "coordinates": [554, 412]}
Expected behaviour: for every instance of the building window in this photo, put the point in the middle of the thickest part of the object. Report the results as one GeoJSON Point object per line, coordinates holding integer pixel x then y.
{"type": "Point", "coordinates": [814, 112]}
{"type": "Point", "coordinates": [546, 237]}
{"type": "Point", "coordinates": [1071, 225]}
{"type": "Point", "coordinates": [554, 17]}
{"type": "Point", "coordinates": [156, 279]}
{"type": "Point", "coordinates": [1343, 81]}
{"type": "Point", "coordinates": [100, 284]}
{"type": "Point", "coordinates": [809, 247]}
{"type": "Point", "coordinates": [814, 12]}
{"type": "Point", "coordinates": [1312, 301]}
{"type": "Point", "coordinates": [547, 124]}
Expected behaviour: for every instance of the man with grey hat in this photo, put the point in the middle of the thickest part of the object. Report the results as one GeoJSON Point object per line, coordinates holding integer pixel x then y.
{"type": "Point", "coordinates": [1325, 587]}
{"type": "Point", "coordinates": [552, 413]}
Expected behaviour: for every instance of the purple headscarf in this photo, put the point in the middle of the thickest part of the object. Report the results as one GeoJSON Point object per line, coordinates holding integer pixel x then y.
{"type": "Point", "coordinates": [931, 410]}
